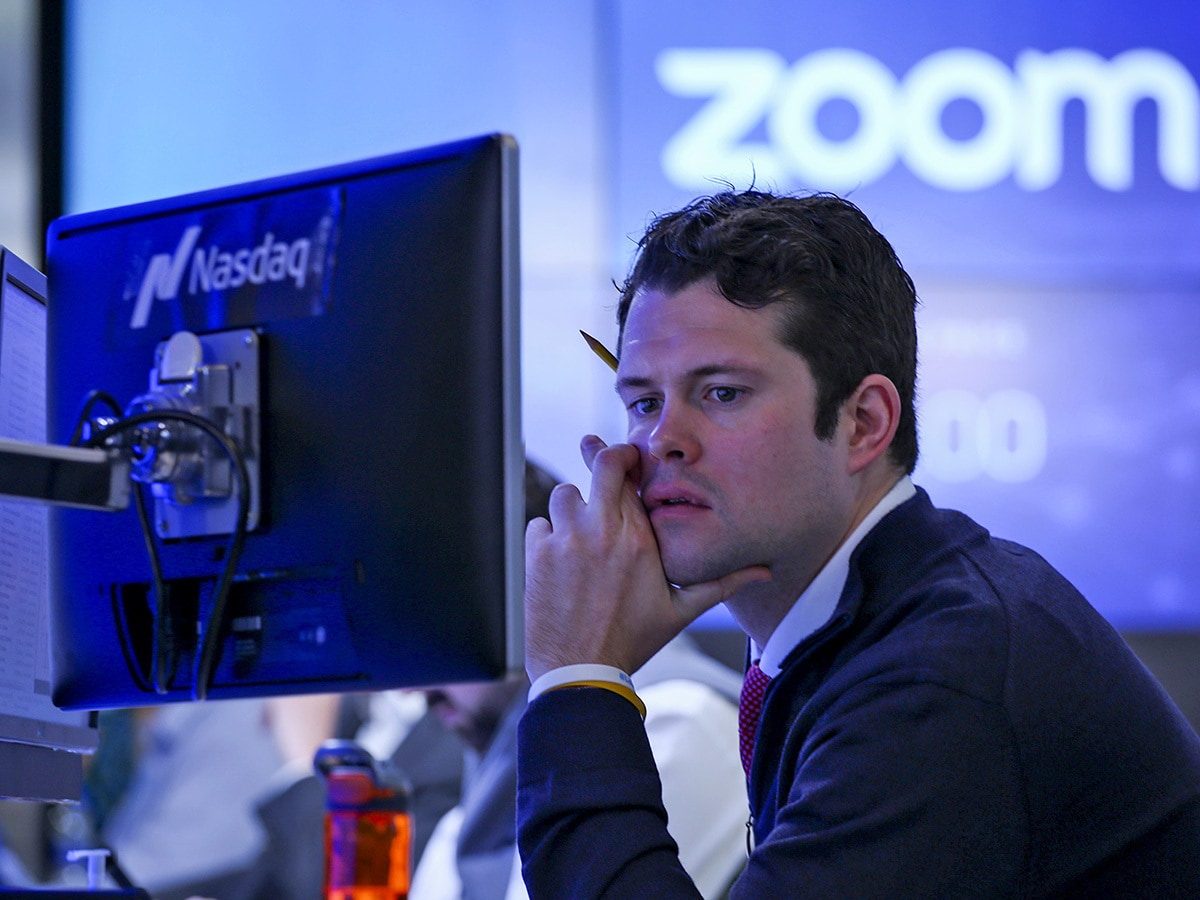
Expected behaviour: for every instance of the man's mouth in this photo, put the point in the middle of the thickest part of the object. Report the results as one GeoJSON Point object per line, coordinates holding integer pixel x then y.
{"type": "Point", "coordinates": [669, 499]}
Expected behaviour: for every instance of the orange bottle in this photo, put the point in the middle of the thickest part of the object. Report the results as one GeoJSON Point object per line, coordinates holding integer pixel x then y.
{"type": "Point", "coordinates": [368, 830]}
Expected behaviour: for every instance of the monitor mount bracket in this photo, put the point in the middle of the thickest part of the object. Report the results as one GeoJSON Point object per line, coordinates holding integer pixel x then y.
{"type": "Point", "coordinates": [214, 377]}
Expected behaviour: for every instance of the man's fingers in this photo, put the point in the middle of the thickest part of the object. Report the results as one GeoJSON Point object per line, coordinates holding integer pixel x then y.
{"type": "Point", "coordinates": [536, 530]}
{"type": "Point", "coordinates": [589, 447]}
{"type": "Point", "coordinates": [565, 499]}
{"type": "Point", "coordinates": [611, 467]}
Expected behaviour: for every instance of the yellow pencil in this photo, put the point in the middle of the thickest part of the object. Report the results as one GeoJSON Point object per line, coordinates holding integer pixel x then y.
{"type": "Point", "coordinates": [600, 350]}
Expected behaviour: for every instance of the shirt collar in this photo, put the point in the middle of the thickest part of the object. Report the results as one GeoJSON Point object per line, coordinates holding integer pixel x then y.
{"type": "Point", "coordinates": [817, 603]}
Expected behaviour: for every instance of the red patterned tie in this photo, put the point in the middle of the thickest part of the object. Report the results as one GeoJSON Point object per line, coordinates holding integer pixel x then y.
{"type": "Point", "coordinates": [750, 710]}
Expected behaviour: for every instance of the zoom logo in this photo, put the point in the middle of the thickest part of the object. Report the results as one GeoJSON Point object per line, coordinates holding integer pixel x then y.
{"type": "Point", "coordinates": [900, 119]}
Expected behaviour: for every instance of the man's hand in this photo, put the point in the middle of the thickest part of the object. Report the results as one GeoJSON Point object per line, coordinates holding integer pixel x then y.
{"type": "Point", "coordinates": [595, 591]}
{"type": "Point", "coordinates": [301, 724]}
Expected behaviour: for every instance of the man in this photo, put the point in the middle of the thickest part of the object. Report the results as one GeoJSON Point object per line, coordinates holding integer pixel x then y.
{"type": "Point", "coordinates": [395, 728]}
{"type": "Point", "coordinates": [283, 857]}
{"type": "Point", "coordinates": [945, 717]}
{"type": "Point", "coordinates": [691, 726]}
{"type": "Point", "coordinates": [186, 816]}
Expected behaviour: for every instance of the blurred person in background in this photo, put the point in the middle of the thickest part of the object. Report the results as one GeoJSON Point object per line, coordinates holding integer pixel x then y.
{"type": "Point", "coordinates": [691, 720]}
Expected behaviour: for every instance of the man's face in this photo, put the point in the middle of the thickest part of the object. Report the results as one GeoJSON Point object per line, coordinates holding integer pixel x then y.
{"type": "Point", "coordinates": [472, 710]}
{"type": "Point", "coordinates": [723, 413]}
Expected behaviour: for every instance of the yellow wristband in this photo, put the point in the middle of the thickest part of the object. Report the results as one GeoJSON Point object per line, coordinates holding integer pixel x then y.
{"type": "Point", "coordinates": [609, 678]}
{"type": "Point", "coordinates": [615, 687]}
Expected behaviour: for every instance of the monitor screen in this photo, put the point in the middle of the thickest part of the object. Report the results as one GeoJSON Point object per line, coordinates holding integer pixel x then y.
{"type": "Point", "coordinates": [352, 332]}
{"type": "Point", "coordinates": [40, 745]}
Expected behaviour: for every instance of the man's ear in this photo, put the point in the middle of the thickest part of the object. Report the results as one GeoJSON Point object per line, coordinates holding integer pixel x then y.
{"type": "Point", "coordinates": [874, 410]}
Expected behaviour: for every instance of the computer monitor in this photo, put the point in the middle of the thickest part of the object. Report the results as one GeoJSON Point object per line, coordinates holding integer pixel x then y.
{"type": "Point", "coordinates": [41, 747]}
{"type": "Point", "coordinates": [354, 331]}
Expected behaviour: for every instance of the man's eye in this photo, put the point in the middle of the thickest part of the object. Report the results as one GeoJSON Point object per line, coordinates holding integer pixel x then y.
{"type": "Point", "coordinates": [725, 394]}
{"type": "Point", "coordinates": [644, 405]}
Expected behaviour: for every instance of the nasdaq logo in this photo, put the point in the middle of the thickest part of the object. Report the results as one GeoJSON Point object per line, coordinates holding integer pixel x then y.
{"type": "Point", "coordinates": [214, 268]}
{"type": "Point", "coordinates": [900, 119]}
{"type": "Point", "coordinates": [161, 281]}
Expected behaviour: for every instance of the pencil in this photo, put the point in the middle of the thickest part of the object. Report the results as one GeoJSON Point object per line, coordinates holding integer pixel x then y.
{"type": "Point", "coordinates": [600, 350]}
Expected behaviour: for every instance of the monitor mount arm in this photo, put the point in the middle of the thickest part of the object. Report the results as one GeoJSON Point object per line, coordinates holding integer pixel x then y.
{"type": "Point", "coordinates": [212, 378]}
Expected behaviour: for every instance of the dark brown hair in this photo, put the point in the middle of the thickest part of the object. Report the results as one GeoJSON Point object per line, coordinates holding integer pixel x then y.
{"type": "Point", "coordinates": [850, 308]}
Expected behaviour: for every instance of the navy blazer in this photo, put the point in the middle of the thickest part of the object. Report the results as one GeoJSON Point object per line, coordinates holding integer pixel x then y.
{"type": "Point", "coordinates": [965, 725]}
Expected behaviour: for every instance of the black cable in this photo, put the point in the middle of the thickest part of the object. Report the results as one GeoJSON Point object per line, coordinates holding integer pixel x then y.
{"type": "Point", "coordinates": [206, 659]}
{"type": "Point", "coordinates": [85, 412]}
{"type": "Point", "coordinates": [126, 641]}
{"type": "Point", "coordinates": [116, 873]}
{"type": "Point", "coordinates": [164, 637]}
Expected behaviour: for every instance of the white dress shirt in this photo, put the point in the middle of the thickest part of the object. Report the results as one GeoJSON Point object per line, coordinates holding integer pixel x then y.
{"type": "Point", "coordinates": [817, 603]}
{"type": "Point", "coordinates": [693, 735]}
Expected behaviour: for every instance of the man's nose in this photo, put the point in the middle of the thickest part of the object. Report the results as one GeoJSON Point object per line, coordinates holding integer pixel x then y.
{"type": "Point", "coordinates": [674, 436]}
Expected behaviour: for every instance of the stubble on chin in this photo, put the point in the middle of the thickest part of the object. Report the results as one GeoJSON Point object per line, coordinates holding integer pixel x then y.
{"type": "Point", "coordinates": [685, 566]}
